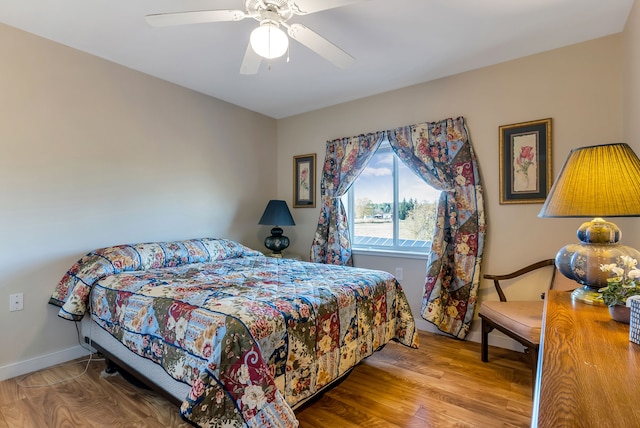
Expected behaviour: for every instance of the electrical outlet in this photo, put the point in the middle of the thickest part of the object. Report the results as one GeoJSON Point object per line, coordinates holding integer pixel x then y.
{"type": "Point", "coordinates": [16, 302]}
{"type": "Point", "coordinates": [399, 273]}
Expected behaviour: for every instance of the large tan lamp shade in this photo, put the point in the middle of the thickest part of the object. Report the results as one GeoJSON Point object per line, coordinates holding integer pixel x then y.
{"type": "Point", "coordinates": [596, 182]}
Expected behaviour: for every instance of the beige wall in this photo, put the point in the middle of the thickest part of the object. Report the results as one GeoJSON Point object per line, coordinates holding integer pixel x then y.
{"type": "Point", "coordinates": [631, 79]}
{"type": "Point", "coordinates": [579, 87]}
{"type": "Point", "coordinates": [631, 100]}
{"type": "Point", "coordinates": [94, 154]}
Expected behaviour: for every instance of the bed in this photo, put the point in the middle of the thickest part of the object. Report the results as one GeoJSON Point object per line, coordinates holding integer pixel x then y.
{"type": "Point", "coordinates": [239, 338]}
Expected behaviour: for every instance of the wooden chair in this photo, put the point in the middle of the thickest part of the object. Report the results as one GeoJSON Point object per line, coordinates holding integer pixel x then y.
{"type": "Point", "coordinates": [520, 320]}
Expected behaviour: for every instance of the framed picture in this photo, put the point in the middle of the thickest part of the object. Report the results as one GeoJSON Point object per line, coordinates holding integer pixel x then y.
{"type": "Point", "coordinates": [304, 181]}
{"type": "Point", "coordinates": [525, 162]}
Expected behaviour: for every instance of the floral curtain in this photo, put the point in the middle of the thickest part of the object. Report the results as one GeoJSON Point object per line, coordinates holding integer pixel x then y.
{"type": "Point", "coordinates": [441, 153]}
{"type": "Point", "coordinates": [344, 161]}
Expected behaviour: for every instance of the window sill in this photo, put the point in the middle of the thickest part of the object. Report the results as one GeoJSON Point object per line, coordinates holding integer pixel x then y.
{"type": "Point", "coordinates": [390, 253]}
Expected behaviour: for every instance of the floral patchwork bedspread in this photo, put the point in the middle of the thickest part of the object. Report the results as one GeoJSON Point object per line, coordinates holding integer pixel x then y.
{"type": "Point", "coordinates": [252, 335]}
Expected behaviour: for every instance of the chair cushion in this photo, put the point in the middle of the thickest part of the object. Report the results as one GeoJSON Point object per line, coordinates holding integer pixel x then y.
{"type": "Point", "coordinates": [521, 317]}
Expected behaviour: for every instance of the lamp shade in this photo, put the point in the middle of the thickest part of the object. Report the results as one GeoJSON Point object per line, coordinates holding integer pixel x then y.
{"type": "Point", "coordinates": [596, 181]}
{"type": "Point", "coordinates": [269, 41]}
{"type": "Point", "coordinates": [277, 214]}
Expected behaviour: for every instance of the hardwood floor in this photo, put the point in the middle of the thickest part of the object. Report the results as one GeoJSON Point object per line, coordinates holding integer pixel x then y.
{"type": "Point", "coordinates": [442, 384]}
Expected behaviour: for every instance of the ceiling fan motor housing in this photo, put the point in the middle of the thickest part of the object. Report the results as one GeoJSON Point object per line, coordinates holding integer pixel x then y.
{"type": "Point", "coordinates": [279, 8]}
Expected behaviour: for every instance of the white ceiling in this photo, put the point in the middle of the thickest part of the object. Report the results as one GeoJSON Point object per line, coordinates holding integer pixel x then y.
{"type": "Point", "coordinates": [396, 43]}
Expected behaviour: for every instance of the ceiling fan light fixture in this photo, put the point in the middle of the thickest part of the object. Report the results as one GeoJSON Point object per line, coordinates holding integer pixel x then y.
{"type": "Point", "coordinates": [269, 41]}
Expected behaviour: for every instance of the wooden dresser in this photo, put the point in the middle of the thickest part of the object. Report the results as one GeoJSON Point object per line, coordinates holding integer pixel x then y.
{"type": "Point", "coordinates": [588, 371]}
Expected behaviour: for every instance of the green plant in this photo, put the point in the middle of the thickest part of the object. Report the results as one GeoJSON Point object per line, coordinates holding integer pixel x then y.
{"type": "Point", "coordinates": [623, 284]}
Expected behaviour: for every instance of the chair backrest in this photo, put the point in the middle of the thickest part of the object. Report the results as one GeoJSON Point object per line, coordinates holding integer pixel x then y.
{"type": "Point", "coordinates": [557, 281]}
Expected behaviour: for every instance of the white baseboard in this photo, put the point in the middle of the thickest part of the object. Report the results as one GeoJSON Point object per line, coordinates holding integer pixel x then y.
{"type": "Point", "coordinates": [38, 363]}
{"type": "Point", "coordinates": [495, 338]}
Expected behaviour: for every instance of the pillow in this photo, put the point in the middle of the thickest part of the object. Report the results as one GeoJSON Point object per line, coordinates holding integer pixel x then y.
{"type": "Point", "coordinates": [72, 292]}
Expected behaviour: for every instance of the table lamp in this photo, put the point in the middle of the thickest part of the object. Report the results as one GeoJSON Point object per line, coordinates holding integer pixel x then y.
{"type": "Point", "coordinates": [595, 181]}
{"type": "Point", "coordinates": [276, 214]}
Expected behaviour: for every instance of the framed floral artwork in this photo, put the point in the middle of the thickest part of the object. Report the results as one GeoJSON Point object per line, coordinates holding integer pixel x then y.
{"type": "Point", "coordinates": [304, 181]}
{"type": "Point", "coordinates": [525, 162]}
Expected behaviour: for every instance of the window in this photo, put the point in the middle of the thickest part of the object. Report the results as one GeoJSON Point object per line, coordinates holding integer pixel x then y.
{"type": "Point", "coordinates": [389, 207]}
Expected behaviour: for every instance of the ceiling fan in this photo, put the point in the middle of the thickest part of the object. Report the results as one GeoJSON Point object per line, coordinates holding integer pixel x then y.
{"type": "Point", "coordinates": [268, 40]}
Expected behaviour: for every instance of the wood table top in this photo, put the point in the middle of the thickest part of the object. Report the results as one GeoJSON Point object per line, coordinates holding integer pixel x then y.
{"type": "Point", "coordinates": [588, 370]}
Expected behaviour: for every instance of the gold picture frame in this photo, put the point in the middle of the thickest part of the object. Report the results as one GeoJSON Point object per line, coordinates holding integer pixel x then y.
{"type": "Point", "coordinates": [304, 181]}
{"type": "Point", "coordinates": [525, 162]}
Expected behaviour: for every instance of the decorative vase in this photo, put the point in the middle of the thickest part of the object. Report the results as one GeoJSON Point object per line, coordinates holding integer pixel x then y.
{"type": "Point", "coordinates": [620, 313]}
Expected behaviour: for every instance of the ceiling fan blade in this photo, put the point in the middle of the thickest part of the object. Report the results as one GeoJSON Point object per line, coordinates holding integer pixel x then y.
{"type": "Point", "coordinates": [320, 45]}
{"type": "Point", "coordinates": [195, 17]}
{"type": "Point", "coordinates": [303, 7]}
{"type": "Point", "coordinates": [251, 61]}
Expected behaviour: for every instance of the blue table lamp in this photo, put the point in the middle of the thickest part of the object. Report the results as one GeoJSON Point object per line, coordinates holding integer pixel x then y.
{"type": "Point", "coordinates": [277, 214]}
